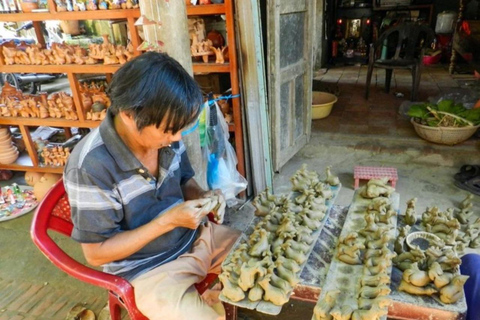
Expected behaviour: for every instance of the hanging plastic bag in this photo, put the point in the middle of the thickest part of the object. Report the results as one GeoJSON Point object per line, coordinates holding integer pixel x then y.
{"type": "Point", "coordinates": [221, 158]}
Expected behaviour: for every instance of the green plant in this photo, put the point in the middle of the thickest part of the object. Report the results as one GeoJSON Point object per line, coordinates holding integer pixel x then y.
{"type": "Point", "coordinates": [446, 113]}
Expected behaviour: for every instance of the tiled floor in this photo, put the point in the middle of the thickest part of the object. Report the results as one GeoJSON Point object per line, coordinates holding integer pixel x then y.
{"type": "Point", "coordinates": [380, 115]}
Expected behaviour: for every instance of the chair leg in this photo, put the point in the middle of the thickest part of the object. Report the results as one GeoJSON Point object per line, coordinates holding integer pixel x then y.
{"type": "Point", "coordinates": [388, 79]}
{"type": "Point", "coordinates": [115, 307]}
{"type": "Point", "coordinates": [416, 76]}
{"type": "Point", "coordinates": [369, 80]}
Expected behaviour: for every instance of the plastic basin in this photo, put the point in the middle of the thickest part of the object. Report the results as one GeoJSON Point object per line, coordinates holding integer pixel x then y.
{"type": "Point", "coordinates": [322, 103]}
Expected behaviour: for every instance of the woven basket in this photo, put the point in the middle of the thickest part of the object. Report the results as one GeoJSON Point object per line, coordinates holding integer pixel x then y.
{"type": "Point", "coordinates": [444, 135]}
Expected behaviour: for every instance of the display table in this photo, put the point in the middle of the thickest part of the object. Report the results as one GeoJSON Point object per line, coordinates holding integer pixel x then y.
{"type": "Point", "coordinates": [314, 274]}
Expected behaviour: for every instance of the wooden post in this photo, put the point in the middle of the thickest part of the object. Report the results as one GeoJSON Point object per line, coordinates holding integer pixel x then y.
{"type": "Point", "coordinates": [171, 32]}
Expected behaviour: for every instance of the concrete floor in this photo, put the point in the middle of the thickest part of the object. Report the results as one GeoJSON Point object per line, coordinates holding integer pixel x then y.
{"type": "Point", "coordinates": [32, 288]}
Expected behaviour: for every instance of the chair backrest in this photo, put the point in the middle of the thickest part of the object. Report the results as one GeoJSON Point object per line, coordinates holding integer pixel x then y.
{"type": "Point", "coordinates": [53, 213]}
{"type": "Point", "coordinates": [407, 38]}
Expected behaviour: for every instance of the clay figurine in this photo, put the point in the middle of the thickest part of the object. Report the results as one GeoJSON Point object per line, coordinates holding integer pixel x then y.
{"type": "Point", "coordinates": [230, 290]}
{"type": "Point", "coordinates": [273, 294]}
{"type": "Point", "coordinates": [410, 215]}
{"type": "Point", "coordinates": [373, 292]}
{"type": "Point", "coordinates": [341, 313]}
{"type": "Point", "coordinates": [323, 307]}
{"type": "Point", "coordinates": [331, 179]}
{"type": "Point", "coordinates": [410, 288]}
{"type": "Point", "coordinates": [454, 291]}
{"type": "Point", "coordinates": [415, 276]}
{"type": "Point", "coordinates": [376, 312]}
{"type": "Point", "coordinates": [440, 279]}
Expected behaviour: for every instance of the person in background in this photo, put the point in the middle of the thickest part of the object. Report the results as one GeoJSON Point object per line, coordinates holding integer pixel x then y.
{"type": "Point", "coordinates": [471, 267]}
{"type": "Point", "coordinates": [136, 208]}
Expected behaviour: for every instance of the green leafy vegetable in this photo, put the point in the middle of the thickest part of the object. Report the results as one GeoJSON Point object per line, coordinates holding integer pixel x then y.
{"type": "Point", "coordinates": [446, 113]}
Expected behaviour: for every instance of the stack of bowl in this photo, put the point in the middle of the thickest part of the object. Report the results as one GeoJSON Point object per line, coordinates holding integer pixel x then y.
{"type": "Point", "coordinates": [8, 152]}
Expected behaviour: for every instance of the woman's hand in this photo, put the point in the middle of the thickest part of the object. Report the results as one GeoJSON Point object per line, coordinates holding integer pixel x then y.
{"type": "Point", "coordinates": [188, 214]}
{"type": "Point", "coordinates": [219, 209]}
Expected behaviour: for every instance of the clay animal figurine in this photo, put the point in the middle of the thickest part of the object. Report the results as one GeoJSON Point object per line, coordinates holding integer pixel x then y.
{"type": "Point", "coordinates": [261, 247]}
{"type": "Point", "coordinates": [415, 276]}
{"type": "Point", "coordinates": [256, 293]}
{"type": "Point", "coordinates": [440, 279]}
{"type": "Point", "coordinates": [376, 312]}
{"type": "Point", "coordinates": [331, 179]}
{"type": "Point", "coordinates": [273, 294]}
{"type": "Point", "coordinates": [454, 291]}
{"type": "Point", "coordinates": [413, 255]}
{"type": "Point", "coordinates": [249, 272]}
{"type": "Point", "coordinates": [373, 292]}
{"type": "Point", "coordinates": [467, 202]}
{"type": "Point", "coordinates": [410, 214]}
{"type": "Point", "coordinates": [463, 215]}
{"type": "Point", "coordinates": [230, 290]}
{"type": "Point", "coordinates": [342, 312]}
{"type": "Point", "coordinates": [376, 188]}
{"type": "Point", "coordinates": [350, 254]}
{"type": "Point", "coordinates": [410, 288]}
{"type": "Point", "coordinates": [323, 307]}
{"type": "Point", "coordinates": [367, 303]}
{"type": "Point", "coordinates": [289, 264]}
{"type": "Point", "coordinates": [287, 274]}
{"type": "Point", "coordinates": [298, 256]}
{"type": "Point", "coordinates": [386, 217]}
{"type": "Point", "coordinates": [376, 280]}
{"type": "Point", "coordinates": [449, 261]}
{"type": "Point", "coordinates": [381, 267]}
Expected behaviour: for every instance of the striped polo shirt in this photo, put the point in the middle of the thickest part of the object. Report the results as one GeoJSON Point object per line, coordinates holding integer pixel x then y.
{"type": "Point", "coordinates": [110, 191]}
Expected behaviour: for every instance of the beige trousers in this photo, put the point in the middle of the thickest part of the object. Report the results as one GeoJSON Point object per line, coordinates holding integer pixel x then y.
{"type": "Point", "coordinates": [168, 292]}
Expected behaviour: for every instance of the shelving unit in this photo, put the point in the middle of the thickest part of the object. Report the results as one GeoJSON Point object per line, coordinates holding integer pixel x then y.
{"type": "Point", "coordinates": [419, 7]}
{"type": "Point", "coordinates": [231, 67]}
{"type": "Point", "coordinates": [30, 161]}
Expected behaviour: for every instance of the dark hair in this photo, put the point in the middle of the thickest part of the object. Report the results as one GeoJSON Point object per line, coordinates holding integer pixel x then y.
{"type": "Point", "coordinates": [152, 87]}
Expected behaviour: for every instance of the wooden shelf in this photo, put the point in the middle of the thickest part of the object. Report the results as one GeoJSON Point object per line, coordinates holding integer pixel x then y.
{"type": "Point", "coordinates": [208, 9]}
{"type": "Point", "coordinates": [100, 68]}
{"type": "Point", "coordinates": [51, 122]}
{"type": "Point", "coordinates": [71, 15]}
{"type": "Point", "coordinates": [64, 68]}
{"type": "Point", "coordinates": [199, 67]}
{"type": "Point", "coordinates": [24, 163]}
{"type": "Point", "coordinates": [403, 8]}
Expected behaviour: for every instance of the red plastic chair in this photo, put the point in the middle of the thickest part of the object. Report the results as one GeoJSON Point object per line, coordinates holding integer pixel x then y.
{"type": "Point", "coordinates": [54, 213]}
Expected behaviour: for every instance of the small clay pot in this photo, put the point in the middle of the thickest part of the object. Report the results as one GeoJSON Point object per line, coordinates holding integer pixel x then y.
{"type": "Point", "coordinates": [216, 38]}
{"type": "Point", "coordinates": [41, 188]}
{"type": "Point", "coordinates": [98, 107]}
{"type": "Point", "coordinates": [8, 159]}
{"type": "Point", "coordinates": [32, 177]}
{"type": "Point", "coordinates": [28, 6]}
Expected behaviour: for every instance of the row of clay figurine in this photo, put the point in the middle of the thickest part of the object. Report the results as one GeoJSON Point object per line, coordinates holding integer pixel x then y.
{"type": "Point", "coordinates": [14, 103]}
{"type": "Point", "coordinates": [266, 267]}
{"type": "Point", "coordinates": [367, 246]}
{"type": "Point", "coordinates": [60, 54]}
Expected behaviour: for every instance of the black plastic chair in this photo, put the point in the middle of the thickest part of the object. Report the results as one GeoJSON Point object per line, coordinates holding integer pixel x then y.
{"type": "Point", "coordinates": [405, 45]}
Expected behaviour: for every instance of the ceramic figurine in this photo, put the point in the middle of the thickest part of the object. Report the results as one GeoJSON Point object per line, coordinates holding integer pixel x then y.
{"type": "Point", "coordinates": [323, 307]}
{"type": "Point", "coordinates": [92, 5]}
{"type": "Point", "coordinates": [454, 291]}
{"type": "Point", "coordinates": [273, 294]}
{"type": "Point", "coordinates": [376, 312]}
{"type": "Point", "coordinates": [230, 290]}
{"type": "Point", "coordinates": [341, 313]}
{"type": "Point", "coordinates": [439, 278]}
